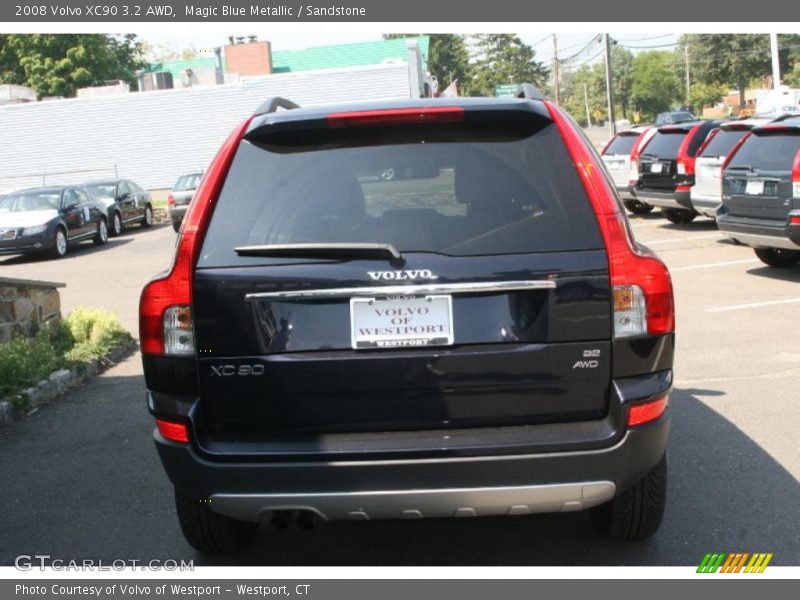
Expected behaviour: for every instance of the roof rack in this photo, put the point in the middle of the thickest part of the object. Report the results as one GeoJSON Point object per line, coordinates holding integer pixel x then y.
{"type": "Point", "coordinates": [271, 105]}
{"type": "Point", "coordinates": [529, 92]}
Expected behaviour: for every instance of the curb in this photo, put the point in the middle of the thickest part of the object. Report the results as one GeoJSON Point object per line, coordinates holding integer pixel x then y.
{"type": "Point", "coordinates": [59, 382]}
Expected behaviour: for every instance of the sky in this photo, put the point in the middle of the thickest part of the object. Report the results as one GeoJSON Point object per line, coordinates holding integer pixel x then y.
{"type": "Point", "coordinates": [579, 46]}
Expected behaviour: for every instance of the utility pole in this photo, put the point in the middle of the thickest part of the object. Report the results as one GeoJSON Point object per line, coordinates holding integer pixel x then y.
{"type": "Point", "coordinates": [586, 104]}
{"type": "Point", "coordinates": [776, 64]}
{"type": "Point", "coordinates": [686, 67]}
{"type": "Point", "coordinates": [555, 70]}
{"type": "Point", "coordinates": [612, 125]}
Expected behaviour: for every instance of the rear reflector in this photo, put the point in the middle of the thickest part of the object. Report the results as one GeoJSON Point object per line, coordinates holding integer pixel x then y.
{"type": "Point", "coordinates": [683, 188]}
{"type": "Point", "coordinates": [796, 175]}
{"type": "Point", "coordinates": [171, 200]}
{"type": "Point", "coordinates": [177, 432]}
{"type": "Point", "coordinates": [630, 266]}
{"type": "Point", "coordinates": [175, 288]}
{"type": "Point", "coordinates": [638, 414]}
{"type": "Point", "coordinates": [400, 116]}
{"type": "Point", "coordinates": [795, 220]}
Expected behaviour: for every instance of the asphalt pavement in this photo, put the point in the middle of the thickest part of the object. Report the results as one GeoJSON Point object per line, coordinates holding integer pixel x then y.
{"type": "Point", "coordinates": [80, 478]}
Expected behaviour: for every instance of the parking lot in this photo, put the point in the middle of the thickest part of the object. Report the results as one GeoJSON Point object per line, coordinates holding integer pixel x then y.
{"type": "Point", "coordinates": [87, 484]}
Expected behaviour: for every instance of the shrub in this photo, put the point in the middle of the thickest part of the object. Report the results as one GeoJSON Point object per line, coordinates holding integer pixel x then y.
{"type": "Point", "coordinates": [94, 332]}
{"type": "Point", "coordinates": [24, 361]}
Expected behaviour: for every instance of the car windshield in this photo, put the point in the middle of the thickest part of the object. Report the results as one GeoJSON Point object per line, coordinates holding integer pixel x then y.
{"type": "Point", "coordinates": [187, 182]}
{"type": "Point", "coordinates": [102, 189]}
{"type": "Point", "coordinates": [27, 201]}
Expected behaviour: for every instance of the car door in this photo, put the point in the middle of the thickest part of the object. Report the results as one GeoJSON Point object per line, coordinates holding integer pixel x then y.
{"type": "Point", "coordinates": [125, 201]}
{"type": "Point", "coordinates": [90, 211]}
{"type": "Point", "coordinates": [72, 214]}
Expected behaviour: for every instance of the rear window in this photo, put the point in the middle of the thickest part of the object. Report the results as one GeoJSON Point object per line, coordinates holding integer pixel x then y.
{"type": "Point", "coordinates": [503, 188]}
{"type": "Point", "coordinates": [723, 142]}
{"type": "Point", "coordinates": [665, 144]}
{"type": "Point", "coordinates": [622, 144]}
{"type": "Point", "coordinates": [187, 182]}
{"type": "Point", "coordinates": [773, 152]}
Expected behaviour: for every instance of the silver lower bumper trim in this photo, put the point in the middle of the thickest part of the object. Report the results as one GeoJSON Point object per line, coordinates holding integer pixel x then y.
{"type": "Point", "coordinates": [416, 504]}
{"type": "Point", "coordinates": [661, 202]}
{"type": "Point", "coordinates": [756, 240]}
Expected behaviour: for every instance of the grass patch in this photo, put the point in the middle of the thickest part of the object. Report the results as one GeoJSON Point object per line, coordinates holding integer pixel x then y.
{"type": "Point", "coordinates": [85, 334]}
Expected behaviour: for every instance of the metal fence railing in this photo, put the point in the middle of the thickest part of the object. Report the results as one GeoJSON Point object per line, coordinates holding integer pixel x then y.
{"type": "Point", "coordinates": [10, 182]}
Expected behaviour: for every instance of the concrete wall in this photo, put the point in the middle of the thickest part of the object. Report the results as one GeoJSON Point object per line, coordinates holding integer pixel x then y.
{"type": "Point", "coordinates": [25, 305]}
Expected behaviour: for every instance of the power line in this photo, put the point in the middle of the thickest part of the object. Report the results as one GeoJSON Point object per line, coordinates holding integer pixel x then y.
{"type": "Point", "coordinates": [652, 37]}
{"type": "Point", "coordinates": [581, 51]}
{"type": "Point", "coordinates": [649, 47]}
{"type": "Point", "coordinates": [594, 37]}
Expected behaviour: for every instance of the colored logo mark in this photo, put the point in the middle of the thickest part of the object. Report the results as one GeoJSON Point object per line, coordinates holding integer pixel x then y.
{"type": "Point", "coordinates": [735, 562]}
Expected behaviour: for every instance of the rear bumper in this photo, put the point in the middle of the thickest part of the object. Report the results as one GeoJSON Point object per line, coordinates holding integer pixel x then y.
{"type": "Point", "coordinates": [706, 205]}
{"type": "Point", "coordinates": [663, 199]}
{"type": "Point", "coordinates": [624, 192]}
{"type": "Point", "coordinates": [758, 234]}
{"type": "Point", "coordinates": [176, 213]}
{"type": "Point", "coordinates": [488, 482]}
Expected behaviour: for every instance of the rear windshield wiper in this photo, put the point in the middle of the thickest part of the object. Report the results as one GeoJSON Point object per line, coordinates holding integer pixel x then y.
{"type": "Point", "coordinates": [741, 168]}
{"type": "Point", "coordinates": [324, 250]}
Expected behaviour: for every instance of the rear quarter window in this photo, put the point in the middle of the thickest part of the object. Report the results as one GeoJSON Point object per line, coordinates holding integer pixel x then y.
{"type": "Point", "coordinates": [501, 189]}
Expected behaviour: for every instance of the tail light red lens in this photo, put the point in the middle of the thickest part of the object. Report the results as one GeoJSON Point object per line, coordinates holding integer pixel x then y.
{"type": "Point", "coordinates": [639, 414]}
{"type": "Point", "coordinates": [176, 432]}
{"type": "Point", "coordinates": [171, 200]}
{"type": "Point", "coordinates": [400, 116]}
{"type": "Point", "coordinates": [685, 162]}
{"type": "Point", "coordinates": [796, 175]}
{"type": "Point", "coordinates": [174, 290]}
{"type": "Point", "coordinates": [630, 266]}
{"type": "Point", "coordinates": [644, 139]}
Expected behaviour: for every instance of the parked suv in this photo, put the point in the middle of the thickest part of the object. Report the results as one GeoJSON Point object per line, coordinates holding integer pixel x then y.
{"type": "Point", "coordinates": [123, 202]}
{"type": "Point", "coordinates": [617, 158]}
{"type": "Point", "coordinates": [48, 220]}
{"type": "Point", "coordinates": [761, 193]}
{"type": "Point", "coordinates": [481, 337]}
{"type": "Point", "coordinates": [666, 168]}
{"type": "Point", "coordinates": [706, 193]}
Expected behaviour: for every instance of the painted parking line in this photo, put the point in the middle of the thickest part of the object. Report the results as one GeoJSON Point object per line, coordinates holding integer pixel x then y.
{"type": "Point", "coordinates": [687, 238]}
{"type": "Point", "coordinates": [727, 263]}
{"type": "Point", "coordinates": [753, 305]}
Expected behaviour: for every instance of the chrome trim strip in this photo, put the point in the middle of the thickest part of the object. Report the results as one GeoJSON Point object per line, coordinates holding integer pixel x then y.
{"type": "Point", "coordinates": [421, 503]}
{"type": "Point", "coordinates": [755, 240]}
{"type": "Point", "coordinates": [478, 287]}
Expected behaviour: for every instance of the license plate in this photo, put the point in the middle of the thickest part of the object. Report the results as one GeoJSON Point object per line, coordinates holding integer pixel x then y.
{"type": "Point", "coordinates": [401, 322]}
{"type": "Point", "coordinates": [656, 167]}
{"type": "Point", "coordinates": [754, 188]}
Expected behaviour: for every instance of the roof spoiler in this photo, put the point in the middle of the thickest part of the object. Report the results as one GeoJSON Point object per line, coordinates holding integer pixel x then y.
{"type": "Point", "coordinates": [528, 91]}
{"type": "Point", "coordinates": [271, 105]}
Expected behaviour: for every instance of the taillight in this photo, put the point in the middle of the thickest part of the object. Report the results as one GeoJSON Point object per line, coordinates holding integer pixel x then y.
{"type": "Point", "coordinates": [642, 288]}
{"type": "Point", "coordinates": [177, 432]}
{"type": "Point", "coordinates": [644, 139]}
{"type": "Point", "coordinates": [685, 162]}
{"type": "Point", "coordinates": [165, 315]}
{"type": "Point", "coordinates": [400, 116]}
{"type": "Point", "coordinates": [796, 175]}
{"type": "Point", "coordinates": [171, 200]}
{"type": "Point", "coordinates": [639, 414]}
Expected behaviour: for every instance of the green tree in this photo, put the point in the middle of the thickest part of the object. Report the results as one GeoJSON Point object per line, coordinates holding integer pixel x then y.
{"type": "Point", "coordinates": [448, 60]}
{"type": "Point", "coordinates": [622, 79]}
{"type": "Point", "coordinates": [586, 85]}
{"type": "Point", "coordinates": [705, 94]}
{"type": "Point", "coordinates": [505, 58]}
{"type": "Point", "coordinates": [58, 64]}
{"type": "Point", "coordinates": [655, 84]}
{"type": "Point", "coordinates": [729, 59]}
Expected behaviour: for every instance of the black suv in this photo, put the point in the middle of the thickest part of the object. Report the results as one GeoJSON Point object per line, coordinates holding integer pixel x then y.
{"type": "Point", "coordinates": [479, 337]}
{"type": "Point", "coordinates": [666, 168]}
{"type": "Point", "coordinates": [761, 193]}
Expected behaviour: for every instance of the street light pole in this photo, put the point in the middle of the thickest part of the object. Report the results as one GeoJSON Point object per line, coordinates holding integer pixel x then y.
{"type": "Point", "coordinates": [612, 125]}
{"type": "Point", "coordinates": [776, 64]}
{"type": "Point", "coordinates": [555, 70]}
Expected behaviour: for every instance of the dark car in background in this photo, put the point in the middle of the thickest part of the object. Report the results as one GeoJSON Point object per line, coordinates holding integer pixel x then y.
{"type": "Point", "coordinates": [482, 337]}
{"type": "Point", "coordinates": [761, 193]}
{"type": "Point", "coordinates": [666, 168]}
{"type": "Point", "coordinates": [674, 117]}
{"type": "Point", "coordinates": [180, 197]}
{"type": "Point", "coordinates": [124, 203]}
{"type": "Point", "coordinates": [49, 220]}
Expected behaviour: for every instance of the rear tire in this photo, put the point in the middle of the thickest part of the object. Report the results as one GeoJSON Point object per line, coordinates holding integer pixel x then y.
{"type": "Point", "coordinates": [210, 532]}
{"type": "Point", "coordinates": [635, 207]}
{"type": "Point", "coordinates": [777, 257]}
{"type": "Point", "coordinates": [147, 218]}
{"type": "Point", "coordinates": [636, 513]}
{"type": "Point", "coordinates": [678, 216]}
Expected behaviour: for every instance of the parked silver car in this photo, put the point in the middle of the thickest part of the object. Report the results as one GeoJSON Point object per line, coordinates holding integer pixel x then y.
{"type": "Point", "coordinates": [180, 197]}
